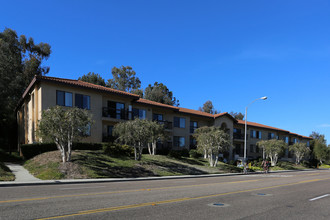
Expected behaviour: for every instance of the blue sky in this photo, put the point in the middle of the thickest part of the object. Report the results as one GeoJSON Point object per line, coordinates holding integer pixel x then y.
{"type": "Point", "coordinates": [229, 52]}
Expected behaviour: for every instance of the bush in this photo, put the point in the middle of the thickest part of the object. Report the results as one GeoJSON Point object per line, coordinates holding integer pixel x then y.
{"type": "Point", "coordinates": [194, 154]}
{"type": "Point", "coordinates": [117, 150]}
{"type": "Point", "coordinates": [32, 150]}
{"type": "Point", "coordinates": [6, 157]}
{"type": "Point", "coordinates": [179, 153]}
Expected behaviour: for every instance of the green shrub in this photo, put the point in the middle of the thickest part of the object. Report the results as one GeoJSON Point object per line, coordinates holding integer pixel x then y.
{"type": "Point", "coordinates": [194, 154]}
{"type": "Point", "coordinates": [6, 157]}
{"type": "Point", "coordinates": [117, 150]}
{"type": "Point", "coordinates": [179, 153]}
{"type": "Point", "coordinates": [32, 150]}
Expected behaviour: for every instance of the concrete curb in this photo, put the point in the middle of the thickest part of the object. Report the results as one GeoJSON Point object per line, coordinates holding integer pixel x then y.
{"type": "Point", "coordinates": [78, 181]}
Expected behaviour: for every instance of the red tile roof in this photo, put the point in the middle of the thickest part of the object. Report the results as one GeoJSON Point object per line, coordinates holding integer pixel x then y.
{"type": "Point", "coordinates": [195, 112]}
{"type": "Point", "coordinates": [148, 102]}
{"type": "Point", "coordinates": [242, 122]}
{"type": "Point", "coordinates": [86, 85]}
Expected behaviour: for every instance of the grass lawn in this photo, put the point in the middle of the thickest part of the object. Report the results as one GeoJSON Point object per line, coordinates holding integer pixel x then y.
{"type": "Point", "coordinates": [5, 173]}
{"type": "Point", "coordinates": [95, 164]}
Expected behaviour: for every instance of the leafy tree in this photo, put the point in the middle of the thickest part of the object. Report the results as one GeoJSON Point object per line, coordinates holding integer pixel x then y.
{"type": "Point", "coordinates": [300, 150]}
{"type": "Point", "coordinates": [135, 133]}
{"type": "Point", "coordinates": [160, 93]}
{"type": "Point", "coordinates": [320, 151]}
{"type": "Point", "coordinates": [94, 78]}
{"type": "Point", "coordinates": [124, 79]}
{"type": "Point", "coordinates": [157, 132]}
{"type": "Point", "coordinates": [319, 146]}
{"type": "Point", "coordinates": [20, 61]}
{"type": "Point", "coordinates": [212, 141]}
{"type": "Point", "coordinates": [237, 115]}
{"type": "Point", "coordinates": [272, 148]}
{"type": "Point", "coordinates": [208, 108]}
{"type": "Point", "coordinates": [64, 126]}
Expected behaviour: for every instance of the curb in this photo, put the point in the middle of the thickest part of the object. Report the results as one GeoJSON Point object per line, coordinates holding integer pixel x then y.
{"type": "Point", "coordinates": [81, 181]}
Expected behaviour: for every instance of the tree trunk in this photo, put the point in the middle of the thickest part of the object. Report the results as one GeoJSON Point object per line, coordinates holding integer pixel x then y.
{"type": "Point", "coordinates": [154, 146]}
{"type": "Point", "coordinates": [135, 153]}
{"type": "Point", "coordinates": [216, 160]}
{"type": "Point", "coordinates": [205, 154]}
{"type": "Point", "coordinates": [211, 160]}
{"type": "Point", "coordinates": [149, 148]}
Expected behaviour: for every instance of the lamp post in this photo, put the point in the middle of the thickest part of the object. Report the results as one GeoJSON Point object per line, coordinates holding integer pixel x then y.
{"type": "Point", "coordinates": [245, 133]}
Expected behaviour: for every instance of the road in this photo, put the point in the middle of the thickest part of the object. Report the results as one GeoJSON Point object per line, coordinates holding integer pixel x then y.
{"type": "Point", "coordinates": [289, 195]}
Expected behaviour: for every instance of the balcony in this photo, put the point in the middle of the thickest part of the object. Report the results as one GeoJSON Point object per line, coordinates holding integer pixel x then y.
{"type": "Point", "coordinates": [167, 124]}
{"type": "Point", "coordinates": [192, 129]}
{"type": "Point", "coordinates": [238, 136]}
{"type": "Point", "coordinates": [115, 113]}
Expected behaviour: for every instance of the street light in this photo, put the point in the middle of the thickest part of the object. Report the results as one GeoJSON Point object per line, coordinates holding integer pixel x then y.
{"type": "Point", "coordinates": [262, 98]}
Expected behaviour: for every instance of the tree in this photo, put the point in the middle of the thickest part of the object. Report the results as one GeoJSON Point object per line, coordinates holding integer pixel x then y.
{"type": "Point", "coordinates": [212, 141]}
{"type": "Point", "coordinates": [320, 151]}
{"type": "Point", "coordinates": [94, 78]}
{"type": "Point", "coordinates": [20, 61]}
{"type": "Point", "coordinates": [124, 79]}
{"type": "Point", "coordinates": [319, 146]}
{"type": "Point", "coordinates": [64, 126]}
{"type": "Point", "coordinates": [208, 108]}
{"type": "Point", "coordinates": [237, 115]}
{"type": "Point", "coordinates": [300, 150]}
{"type": "Point", "coordinates": [272, 148]}
{"type": "Point", "coordinates": [160, 93]}
{"type": "Point", "coordinates": [157, 132]}
{"type": "Point", "coordinates": [135, 133]}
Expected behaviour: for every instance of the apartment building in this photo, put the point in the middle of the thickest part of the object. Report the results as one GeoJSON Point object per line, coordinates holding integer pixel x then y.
{"type": "Point", "coordinates": [109, 106]}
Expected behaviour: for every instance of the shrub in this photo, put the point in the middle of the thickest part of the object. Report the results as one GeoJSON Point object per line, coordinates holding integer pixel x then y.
{"type": "Point", "coordinates": [6, 157]}
{"type": "Point", "coordinates": [194, 154]}
{"type": "Point", "coordinates": [117, 150]}
{"type": "Point", "coordinates": [179, 153]}
{"type": "Point", "coordinates": [32, 150]}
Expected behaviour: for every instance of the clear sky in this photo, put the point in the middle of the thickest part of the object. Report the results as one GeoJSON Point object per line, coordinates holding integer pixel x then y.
{"type": "Point", "coordinates": [229, 52]}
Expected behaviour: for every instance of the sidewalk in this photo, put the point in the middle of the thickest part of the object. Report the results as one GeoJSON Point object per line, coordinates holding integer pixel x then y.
{"type": "Point", "coordinates": [24, 178]}
{"type": "Point", "coordinates": [21, 174]}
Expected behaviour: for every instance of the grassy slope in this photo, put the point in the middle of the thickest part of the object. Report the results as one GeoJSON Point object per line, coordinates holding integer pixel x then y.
{"type": "Point", "coordinates": [5, 173]}
{"type": "Point", "coordinates": [94, 164]}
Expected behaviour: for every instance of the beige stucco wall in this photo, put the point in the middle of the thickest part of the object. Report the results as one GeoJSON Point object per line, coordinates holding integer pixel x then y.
{"type": "Point", "coordinates": [49, 100]}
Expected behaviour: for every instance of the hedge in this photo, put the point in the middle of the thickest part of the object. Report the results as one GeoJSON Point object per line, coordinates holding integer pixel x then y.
{"type": "Point", "coordinates": [32, 150]}
{"type": "Point", "coordinates": [117, 150]}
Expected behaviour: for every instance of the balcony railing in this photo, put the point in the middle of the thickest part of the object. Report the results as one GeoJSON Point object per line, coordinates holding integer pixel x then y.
{"type": "Point", "coordinates": [239, 136]}
{"type": "Point", "coordinates": [167, 124]}
{"type": "Point", "coordinates": [115, 113]}
{"type": "Point", "coordinates": [192, 129]}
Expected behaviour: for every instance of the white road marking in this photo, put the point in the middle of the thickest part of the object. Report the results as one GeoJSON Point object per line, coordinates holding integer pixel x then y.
{"type": "Point", "coordinates": [95, 187]}
{"type": "Point", "coordinates": [320, 197]}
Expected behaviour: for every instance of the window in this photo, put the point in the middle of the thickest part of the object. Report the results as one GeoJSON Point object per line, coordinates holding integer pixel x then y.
{"type": "Point", "coordinates": [308, 144]}
{"type": "Point", "coordinates": [115, 110]}
{"type": "Point", "coordinates": [259, 134]}
{"type": "Point", "coordinates": [294, 140]}
{"type": "Point", "coordinates": [286, 139]}
{"type": "Point", "coordinates": [179, 141]}
{"type": "Point", "coordinates": [257, 149]}
{"type": "Point", "coordinates": [86, 131]}
{"type": "Point", "coordinates": [193, 142]}
{"type": "Point", "coordinates": [251, 148]}
{"type": "Point", "coordinates": [82, 101]}
{"type": "Point", "coordinates": [63, 98]}
{"type": "Point", "coordinates": [139, 113]}
{"type": "Point", "coordinates": [109, 130]}
{"type": "Point", "coordinates": [237, 131]}
{"type": "Point", "coordinates": [238, 149]}
{"type": "Point", "coordinates": [253, 134]}
{"type": "Point", "coordinates": [157, 117]}
{"type": "Point", "coordinates": [179, 122]}
{"type": "Point", "coordinates": [193, 126]}
{"type": "Point", "coordinates": [271, 136]}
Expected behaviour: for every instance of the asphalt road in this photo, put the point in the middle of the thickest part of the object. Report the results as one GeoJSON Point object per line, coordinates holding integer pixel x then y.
{"type": "Point", "coordinates": [291, 195]}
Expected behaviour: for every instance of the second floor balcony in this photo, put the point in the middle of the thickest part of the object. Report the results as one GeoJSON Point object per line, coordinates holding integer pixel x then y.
{"type": "Point", "coordinates": [167, 124]}
{"type": "Point", "coordinates": [115, 113]}
{"type": "Point", "coordinates": [239, 136]}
